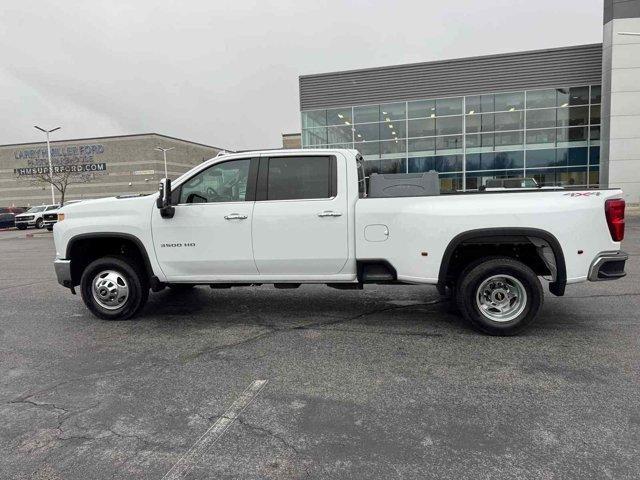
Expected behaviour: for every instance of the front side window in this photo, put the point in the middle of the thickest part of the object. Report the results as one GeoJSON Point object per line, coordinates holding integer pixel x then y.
{"type": "Point", "coordinates": [224, 182]}
{"type": "Point", "coordinates": [294, 178]}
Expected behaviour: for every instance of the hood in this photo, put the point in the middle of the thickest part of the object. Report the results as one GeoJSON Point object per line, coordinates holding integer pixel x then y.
{"type": "Point", "coordinates": [104, 205]}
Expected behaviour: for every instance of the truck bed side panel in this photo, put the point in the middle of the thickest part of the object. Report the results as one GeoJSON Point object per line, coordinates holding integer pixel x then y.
{"type": "Point", "coordinates": [425, 225]}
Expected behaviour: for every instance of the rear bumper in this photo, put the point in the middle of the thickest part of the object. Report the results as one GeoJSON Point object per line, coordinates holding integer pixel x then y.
{"type": "Point", "coordinates": [63, 272]}
{"type": "Point", "coordinates": [608, 266]}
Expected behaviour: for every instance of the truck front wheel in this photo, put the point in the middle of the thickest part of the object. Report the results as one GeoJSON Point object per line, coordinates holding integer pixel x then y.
{"type": "Point", "coordinates": [499, 296]}
{"type": "Point", "coordinates": [114, 288]}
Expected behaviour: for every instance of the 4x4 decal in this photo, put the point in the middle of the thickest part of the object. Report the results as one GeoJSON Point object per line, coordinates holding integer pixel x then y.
{"type": "Point", "coordinates": [582, 194]}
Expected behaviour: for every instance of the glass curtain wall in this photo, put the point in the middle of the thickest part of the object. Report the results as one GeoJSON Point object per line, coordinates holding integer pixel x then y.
{"type": "Point", "coordinates": [552, 135]}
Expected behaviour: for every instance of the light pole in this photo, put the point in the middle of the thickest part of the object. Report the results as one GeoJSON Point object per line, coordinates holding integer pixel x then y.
{"type": "Point", "coordinates": [164, 155]}
{"type": "Point", "coordinates": [47, 132]}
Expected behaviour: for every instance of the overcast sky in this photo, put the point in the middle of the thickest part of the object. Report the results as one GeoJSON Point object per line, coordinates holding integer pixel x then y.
{"type": "Point", "coordinates": [225, 73]}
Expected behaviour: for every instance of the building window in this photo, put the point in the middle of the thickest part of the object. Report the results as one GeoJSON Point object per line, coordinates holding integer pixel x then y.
{"type": "Point", "coordinates": [369, 113]}
{"type": "Point", "coordinates": [339, 116]}
{"type": "Point", "coordinates": [368, 132]}
{"type": "Point", "coordinates": [449, 106]}
{"type": "Point", "coordinates": [316, 118]}
{"type": "Point", "coordinates": [393, 111]}
{"type": "Point", "coordinates": [421, 109]}
{"type": "Point", "coordinates": [501, 134]}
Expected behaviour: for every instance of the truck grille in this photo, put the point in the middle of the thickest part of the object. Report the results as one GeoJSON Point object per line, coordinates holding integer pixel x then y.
{"type": "Point", "coordinates": [25, 218]}
{"type": "Point", "coordinates": [51, 216]}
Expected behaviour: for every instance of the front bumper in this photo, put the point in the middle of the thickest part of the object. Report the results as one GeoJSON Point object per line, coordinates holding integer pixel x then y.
{"type": "Point", "coordinates": [63, 272]}
{"type": "Point", "coordinates": [608, 266]}
{"type": "Point", "coordinates": [29, 223]}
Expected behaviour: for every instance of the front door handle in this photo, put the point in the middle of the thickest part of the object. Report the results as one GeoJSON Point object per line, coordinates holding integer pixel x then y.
{"type": "Point", "coordinates": [235, 216]}
{"type": "Point", "coordinates": [329, 213]}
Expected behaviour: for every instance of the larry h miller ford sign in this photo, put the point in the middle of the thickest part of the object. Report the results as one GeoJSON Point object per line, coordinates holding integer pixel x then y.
{"type": "Point", "coordinates": [70, 158]}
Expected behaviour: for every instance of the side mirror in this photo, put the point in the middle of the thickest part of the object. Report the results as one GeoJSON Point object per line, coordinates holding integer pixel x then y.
{"type": "Point", "coordinates": [164, 199]}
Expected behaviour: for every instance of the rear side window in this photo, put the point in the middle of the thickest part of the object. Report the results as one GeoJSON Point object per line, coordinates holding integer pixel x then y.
{"type": "Point", "coordinates": [294, 178]}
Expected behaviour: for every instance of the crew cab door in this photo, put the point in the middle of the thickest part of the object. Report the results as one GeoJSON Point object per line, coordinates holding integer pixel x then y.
{"type": "Point", "coordinates": [209, 237]}
{"type": "Point", "coordinates": [300, 218]}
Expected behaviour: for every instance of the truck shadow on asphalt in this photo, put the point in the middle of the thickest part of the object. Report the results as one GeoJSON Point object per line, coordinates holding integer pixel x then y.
{"type": "Point", "coordinates": [419, 312]}
{"type": "Point", "coordinates": [412, 311]}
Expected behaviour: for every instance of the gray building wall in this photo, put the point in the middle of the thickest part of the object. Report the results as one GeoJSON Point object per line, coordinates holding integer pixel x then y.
{"type": "Point", "coordinates": [620, 156]}
{"type": "Point", "coordinates": [131, 165]}
{"type": "Point", "coordinates": [621, 9]}
{"type": "Point", "coordinates": [578, 65]}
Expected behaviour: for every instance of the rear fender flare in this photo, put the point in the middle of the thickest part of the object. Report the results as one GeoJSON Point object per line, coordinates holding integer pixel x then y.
{"type": "Point", "coordinates": [556, 287]}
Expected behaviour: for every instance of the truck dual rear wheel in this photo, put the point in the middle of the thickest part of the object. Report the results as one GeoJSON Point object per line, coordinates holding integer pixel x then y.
{"type": "Point", "coordinates": [499, 296]}
{"type": "Point", "coordinates": [114, 288]}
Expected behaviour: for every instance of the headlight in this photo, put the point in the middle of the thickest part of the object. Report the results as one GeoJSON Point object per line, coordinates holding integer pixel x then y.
{"type": "Point", "coordinates": [60, 217]}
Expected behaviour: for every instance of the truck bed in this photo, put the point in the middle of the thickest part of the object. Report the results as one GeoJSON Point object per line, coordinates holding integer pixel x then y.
{"type": "Point", "coordinates": [420, 228]}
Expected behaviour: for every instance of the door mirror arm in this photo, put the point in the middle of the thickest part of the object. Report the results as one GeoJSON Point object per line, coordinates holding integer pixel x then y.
{"type": "Point", "coordinates": [163, 203]}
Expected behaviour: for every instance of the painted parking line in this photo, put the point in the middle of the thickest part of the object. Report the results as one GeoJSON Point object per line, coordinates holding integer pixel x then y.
{"type": "Point", "coordinates": [184, 465]}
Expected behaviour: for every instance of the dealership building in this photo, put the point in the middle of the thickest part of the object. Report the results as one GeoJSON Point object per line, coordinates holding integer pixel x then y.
{"type": "Point", "coordinates": [102, 166]}
{"type": "Point", "coordinates": [564, 116]}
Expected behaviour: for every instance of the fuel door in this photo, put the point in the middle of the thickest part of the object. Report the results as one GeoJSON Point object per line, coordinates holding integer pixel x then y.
{"type": "Point", "coordinates": [376, 233]}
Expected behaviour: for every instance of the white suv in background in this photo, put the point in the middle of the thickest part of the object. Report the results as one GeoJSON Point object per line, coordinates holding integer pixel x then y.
{"type": "Point", "coordinates": [34, 217]}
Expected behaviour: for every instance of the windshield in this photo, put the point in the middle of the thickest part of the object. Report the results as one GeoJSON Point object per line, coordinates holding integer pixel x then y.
{"type": "Point", "coordinates": [35, 209]}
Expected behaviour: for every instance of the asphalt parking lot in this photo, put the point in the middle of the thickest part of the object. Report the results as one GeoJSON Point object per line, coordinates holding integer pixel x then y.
{"type": "Point", "coordinates": [313, 383]}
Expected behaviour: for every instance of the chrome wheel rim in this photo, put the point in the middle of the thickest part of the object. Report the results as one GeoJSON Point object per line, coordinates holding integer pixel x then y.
{"type": "Point", "coordinates": [501, 298]}
{"type": "Point", "coordinates": [110, 289]}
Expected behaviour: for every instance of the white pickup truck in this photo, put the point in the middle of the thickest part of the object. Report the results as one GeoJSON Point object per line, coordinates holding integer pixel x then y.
{"type": "Point", "coordinates": [303, 216]}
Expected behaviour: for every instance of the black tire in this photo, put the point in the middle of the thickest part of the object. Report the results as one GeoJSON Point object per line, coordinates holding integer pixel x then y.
{"type": "Point", "coordinates": [133, 275]}
{"type": "Point", "coordinates": [50, 228]}
{"type": "Point", "coordinates": [524, 311]}
{"type": "Point", "coordinates": [21, 227]}
{"type": "Point", "coordinates": [181, 287]}
{"type": "Point", "coordinates": [39, 223]}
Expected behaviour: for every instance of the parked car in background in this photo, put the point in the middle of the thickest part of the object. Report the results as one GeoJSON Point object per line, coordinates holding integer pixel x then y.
{"type": "Point", "coordinates": [34, 217]}
{"type": "Point", "coordinates": [50, 217]}
{"type": "Point", "coordinates": [7, 216]}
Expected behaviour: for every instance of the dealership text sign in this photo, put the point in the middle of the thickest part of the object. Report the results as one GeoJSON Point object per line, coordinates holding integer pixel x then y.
{"type": "Point", "coordinates": [85, 152]}
{"type": "Point", "coordinates": [72, 159]}
{"type": "Point", "coordinates": [79, 168]}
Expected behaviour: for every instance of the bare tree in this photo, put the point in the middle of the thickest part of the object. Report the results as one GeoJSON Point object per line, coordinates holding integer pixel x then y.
{"type": "Point", "coordinates": [67, 170]}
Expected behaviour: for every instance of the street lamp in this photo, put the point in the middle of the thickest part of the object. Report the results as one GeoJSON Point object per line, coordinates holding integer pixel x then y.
{"type": "Point", "coordinates": [164, 155]}
{"type": "Point", "coordinates": [47, 132]}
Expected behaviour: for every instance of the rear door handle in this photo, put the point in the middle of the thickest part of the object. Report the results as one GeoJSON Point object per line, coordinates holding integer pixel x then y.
{"type": "Point", "coordinates": [329, 213]}
{"type": "Point", "coordinates": [235, 216]}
